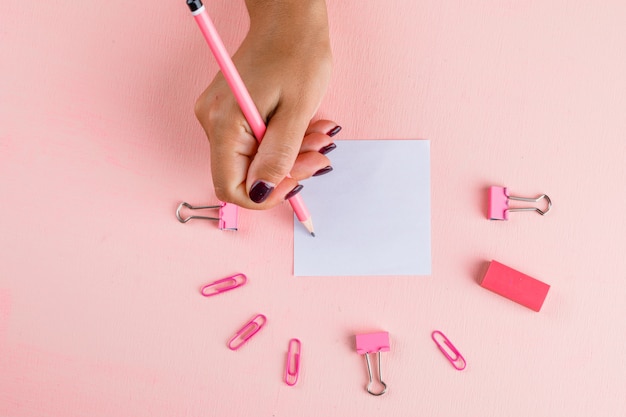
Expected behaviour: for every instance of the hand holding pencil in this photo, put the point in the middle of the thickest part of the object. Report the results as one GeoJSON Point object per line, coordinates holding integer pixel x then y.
{"type": "Point", "coordinates": [286, 68]}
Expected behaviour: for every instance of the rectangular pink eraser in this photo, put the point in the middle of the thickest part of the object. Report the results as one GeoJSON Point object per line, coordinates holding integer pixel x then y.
{"type": "Point", "coordinates": [372, 343]}
{"type": "Point", "coordinates": [515, 286]}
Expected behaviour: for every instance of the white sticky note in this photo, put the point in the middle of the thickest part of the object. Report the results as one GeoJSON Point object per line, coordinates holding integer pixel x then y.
{"type": "Point", "coordinates": [371, 213]}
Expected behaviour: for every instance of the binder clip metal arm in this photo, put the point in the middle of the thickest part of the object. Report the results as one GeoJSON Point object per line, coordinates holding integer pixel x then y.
{"type": "Point", "coordinates": [226, 216]}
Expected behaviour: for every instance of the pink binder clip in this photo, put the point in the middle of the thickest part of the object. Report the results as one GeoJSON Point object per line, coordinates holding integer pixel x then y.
{"type": "Point", "coordinates": [292, 367]}
{"type": "Point", "coordinates": [246, 332]}
{"type": "Point", "coordinates": [226, 218]}
{"type": "Point", "coordinates": [223, 285]}
{"type": "Point", "coordinates": [446, 347]}
{"type": "Point", "coordinates": [515, 286]}
{"type": "Point", "coordinates": [373, 343]}
{"type": "Point", "coordinates": [499, 203]}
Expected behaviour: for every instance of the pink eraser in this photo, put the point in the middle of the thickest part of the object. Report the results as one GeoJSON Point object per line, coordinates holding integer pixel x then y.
{"type": "Point", "coordinates": [228, 216]}
{"type": "Point", "coordinates": [498, 203]}
{"type": "Point", "coordinates": [515, 286]}
{"type": "Point", "coordinates": [372, 343]}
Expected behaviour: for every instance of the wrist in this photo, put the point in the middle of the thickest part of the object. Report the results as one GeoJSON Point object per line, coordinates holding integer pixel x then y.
{"type": "Point", "coordinates": [289, 21]}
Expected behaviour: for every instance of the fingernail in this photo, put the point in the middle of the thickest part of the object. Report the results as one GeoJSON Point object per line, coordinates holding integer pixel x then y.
{"type": "Point", "coordinates": [260, 191]}
{"type": "Point", "coordinates": [323, 171]}
{"type": "Point", "coordinates": [332, 132]}
{"type": "Point", "coordinates": [295, 191]}
{"type": "Point", "coordinates": [327, 148]}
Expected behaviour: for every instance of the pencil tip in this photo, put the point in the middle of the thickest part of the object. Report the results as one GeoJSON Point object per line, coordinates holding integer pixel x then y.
{"type": "Point", "coordinates": [308, 224]}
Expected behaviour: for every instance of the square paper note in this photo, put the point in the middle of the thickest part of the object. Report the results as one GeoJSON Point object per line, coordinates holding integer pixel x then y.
{"type": "Point", "coordinates": [371, 213]}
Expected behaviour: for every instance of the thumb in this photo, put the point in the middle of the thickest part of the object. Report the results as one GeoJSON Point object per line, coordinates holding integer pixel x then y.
{"type": "Point", "coordinates": [276, 156]}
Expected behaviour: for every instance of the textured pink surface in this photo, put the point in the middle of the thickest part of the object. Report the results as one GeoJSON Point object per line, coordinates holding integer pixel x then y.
{"type": "Point", "coordinates": [100, 313]}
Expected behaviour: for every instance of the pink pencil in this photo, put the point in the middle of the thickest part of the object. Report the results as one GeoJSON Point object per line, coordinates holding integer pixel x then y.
{"type": "Point", "coordinates": [240, 91]}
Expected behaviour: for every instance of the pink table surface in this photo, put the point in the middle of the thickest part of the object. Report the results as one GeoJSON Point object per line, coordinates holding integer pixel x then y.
{"type": "Point", "coordinates": [100, 312]}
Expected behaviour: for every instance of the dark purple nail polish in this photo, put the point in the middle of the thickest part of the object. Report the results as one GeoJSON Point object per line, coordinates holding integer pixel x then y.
{"type": "Point", "coordinates": [323, 171]}
{"type": "Point", "coordinates": [260, 191]}
{"type": "Point", "coordinates": [295, 191]}
{"type": "Point", "coordinates": [332, 132]}
{"type": "Point", "coordinates": [327, 148]}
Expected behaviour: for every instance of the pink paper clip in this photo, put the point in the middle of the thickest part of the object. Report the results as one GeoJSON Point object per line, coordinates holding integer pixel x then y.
{"type": "Point", "coordinates": [224, 284]}
{"type": "Point", "coordinates": [499, 203]}
{"type": "Point", "coordinates": [373, 343]}
{"type": "Point", "coordinates": [458, 361]}
{"type": "Point", "coordinates": [226, 217]}
{"type": "Point", "coordinates": [247, 331]}
{"type": "Point", "coordinates": [292, 367]}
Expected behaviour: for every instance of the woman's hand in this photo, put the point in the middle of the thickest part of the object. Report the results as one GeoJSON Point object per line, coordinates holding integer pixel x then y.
{"type": "Point", "coordinates": [285, 62]}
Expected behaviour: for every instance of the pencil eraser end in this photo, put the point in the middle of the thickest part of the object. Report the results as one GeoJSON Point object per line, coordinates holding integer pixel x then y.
{"type": "Point", "coordinates": [372, 342]}
{"type": "Point", "coordinates": [194, 5]}
{"type": "Point", "coordinates": [515, 286]}
{"type": "Point", "coordinates": [498, 203]}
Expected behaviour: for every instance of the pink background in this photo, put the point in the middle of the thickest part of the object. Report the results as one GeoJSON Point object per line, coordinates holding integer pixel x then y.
{"type": "Point", "coordinates": [100, 313]}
